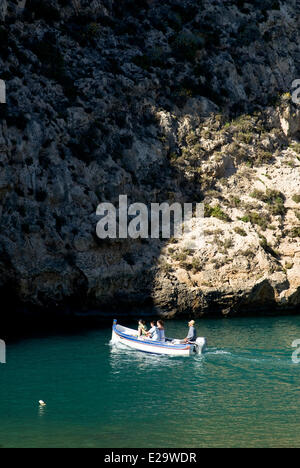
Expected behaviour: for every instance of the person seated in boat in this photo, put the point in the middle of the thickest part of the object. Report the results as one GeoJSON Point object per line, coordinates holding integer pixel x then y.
{"type": "Point", "coordinates": [159, 335]}
{"type": "Point", "coordinates": [142, 329]}
{"type": "Point", "coordinates": [192, 334]}
{"type": "Point", "coordinates": [152, 330]}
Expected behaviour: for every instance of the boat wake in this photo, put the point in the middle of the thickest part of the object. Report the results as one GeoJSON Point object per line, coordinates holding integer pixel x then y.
{"type": "Point", "coordinates": [216, 352]}
{"type": "Point", "coordinates": [266, 358]}
{"type": "Point", "coordinates": [263, 357]}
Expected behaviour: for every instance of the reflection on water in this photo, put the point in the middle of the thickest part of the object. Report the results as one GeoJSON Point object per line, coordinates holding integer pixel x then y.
{"type": "Point", "coordinates": [242, 392]}
{"type": "Point", "coordinates": [42, 410]}
{"type": "Point", "coordinates": [121, 357]}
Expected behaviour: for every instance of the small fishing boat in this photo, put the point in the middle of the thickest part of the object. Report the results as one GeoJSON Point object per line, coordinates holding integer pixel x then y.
{"type": "Point", "coordinates": [129, 338]}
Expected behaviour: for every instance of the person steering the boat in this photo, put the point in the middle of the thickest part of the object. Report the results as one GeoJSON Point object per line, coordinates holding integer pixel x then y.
{"type": "Point", "coordinates": [142, 329]}
{"type": "Point", "coordinates": [192, 334]}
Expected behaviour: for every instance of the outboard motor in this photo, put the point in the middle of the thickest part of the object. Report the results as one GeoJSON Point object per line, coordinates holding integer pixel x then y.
{"type": "Point", "coordinates": [201, 344]}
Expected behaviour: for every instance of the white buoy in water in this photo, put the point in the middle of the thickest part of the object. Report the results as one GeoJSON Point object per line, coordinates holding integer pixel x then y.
{"type": "Point", "coordinates": [42, 403]}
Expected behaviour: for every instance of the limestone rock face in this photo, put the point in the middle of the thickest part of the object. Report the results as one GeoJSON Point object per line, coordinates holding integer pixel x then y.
{"type": "Point", "coordinates": [169, 101]}
{"type": "Point", "coordinates": [3, 10]}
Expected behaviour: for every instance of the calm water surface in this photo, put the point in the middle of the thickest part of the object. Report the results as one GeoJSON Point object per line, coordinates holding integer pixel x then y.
{"type": "Point", "coordinates": [244, 392]}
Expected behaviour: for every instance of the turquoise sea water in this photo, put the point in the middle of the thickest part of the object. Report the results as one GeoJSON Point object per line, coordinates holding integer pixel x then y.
{"type": "Point", "coordinates": [245, 392]}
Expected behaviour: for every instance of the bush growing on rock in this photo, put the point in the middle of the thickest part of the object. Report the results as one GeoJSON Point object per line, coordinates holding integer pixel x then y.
{"type": "Point", "coordinates": [264, 157]}
{"type": "Point", "coordinates": [240, 231]}
{"type": "Point", "coordinates": [248, 33]}
{"type": "Point", "coordinates": [41, 195]}
{"type": "Point", "coordinates": [186, 44]}
{"type": "Point", "coordinates": [256, 218]}
{"type": "Point", "coordinates": [180, 256]}
{"type": "Point", "coordinates": [273, 198]}
{"type": "Point", "coordinates": [84, 146]}
{"type": "Point", "coordinates": [295, 147]}
{"type": "Point", "coordinates": [186, 266]}
{"type": "Point", "coordinates": [267, 248]}
{"type": "Point", "coordinates": [42, 9]}
{"type": "Point", "coordinates": [245, 137]}
{"type": "Point", "coordinates": [270, 196]}
{"type": "Point", "coordinates": [175, 20]}
{"type": "Point", "coordinates": [243, 123]}
{"type": "Point", "coordinates": [234, 201]}
{"type": "Point", "coordinates": [155, 58]}
{"type": "Point", "coordinates": [93, 30]}
{"type": "Point", "coordinates": [295, 232]}
{"type": "Point", "coordinates": [25, 228]}
{"type": "Point", "coordinates": [3, 37]}
{"type": "Point", "coordinates": [216, 212]}
{"type": "Point", "coordinates": [228, 243]}
{"type": "Point", "coordinates": [187, 12]}
{"type": "Point", "coordinates": [4, 44]}
{"type": "Point", "coordinates": [196, 264]}
{"type": "Point", "coordinates": [296, 198]}
{"type": "Point", "coordinates": [166, 267]}
{"type": "Point", "coordinates": [53, 64]}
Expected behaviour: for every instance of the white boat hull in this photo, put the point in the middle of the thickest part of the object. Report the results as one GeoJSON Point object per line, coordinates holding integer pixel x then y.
{"type": "Point", "coordinates": [129, 338]}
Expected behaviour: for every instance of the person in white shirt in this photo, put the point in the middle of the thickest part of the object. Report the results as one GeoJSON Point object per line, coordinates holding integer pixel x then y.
{"type": "Point", "coordinates": [152, 330]}
{"type": "Point", "coordinates": [157, 332]}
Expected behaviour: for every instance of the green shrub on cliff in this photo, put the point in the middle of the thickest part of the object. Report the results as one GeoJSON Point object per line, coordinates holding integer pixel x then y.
{"type": "Point", "coordinates": [263, 157]}
{"type": "Point", "coordinates": [155, 58]}
{"type": "Point", "coordinates": [166, 267]}
{"type": "Point", "coordinates": [53, 64]}
{"type": "Point", "coordinates": [267, 248]}
{"type": "Point", "coordinates": [180, 256]}
{"type": "Point", "coordinates": [216, 212]}
{"type": "Point", "coordinates": [240, 231]}
{"type": "Point", "coordinates": [273, 198]}
{"type": "Point", "coordinates": [295, 147]}
{"type": "Point", "coordinates": [196, 264]}
{"type": "Point", "coordinates": [42, 9]}
{"type": "Point", "coordinates": [93, 30]}
{"type": "Point", "coordinates": [186, 44]}
{"type": "Point", "coordinates": [295, 232]}
{"type": "Point", "coordinates": [270, 196]}
{"type": "Point", "coordinates": [245, 137]}
{"type": "Point", "coordinates": [296, 198]}
{"type": "Point", "coordinates": [297, 214]}
{"type": "Point", "coordinates": [259, 219]}
{"type": "Point", "coordinates": [3, 36]}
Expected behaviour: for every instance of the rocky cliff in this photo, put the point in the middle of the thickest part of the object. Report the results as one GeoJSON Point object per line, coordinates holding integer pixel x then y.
{"type": "Point", "coordinates": [182, 100]}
